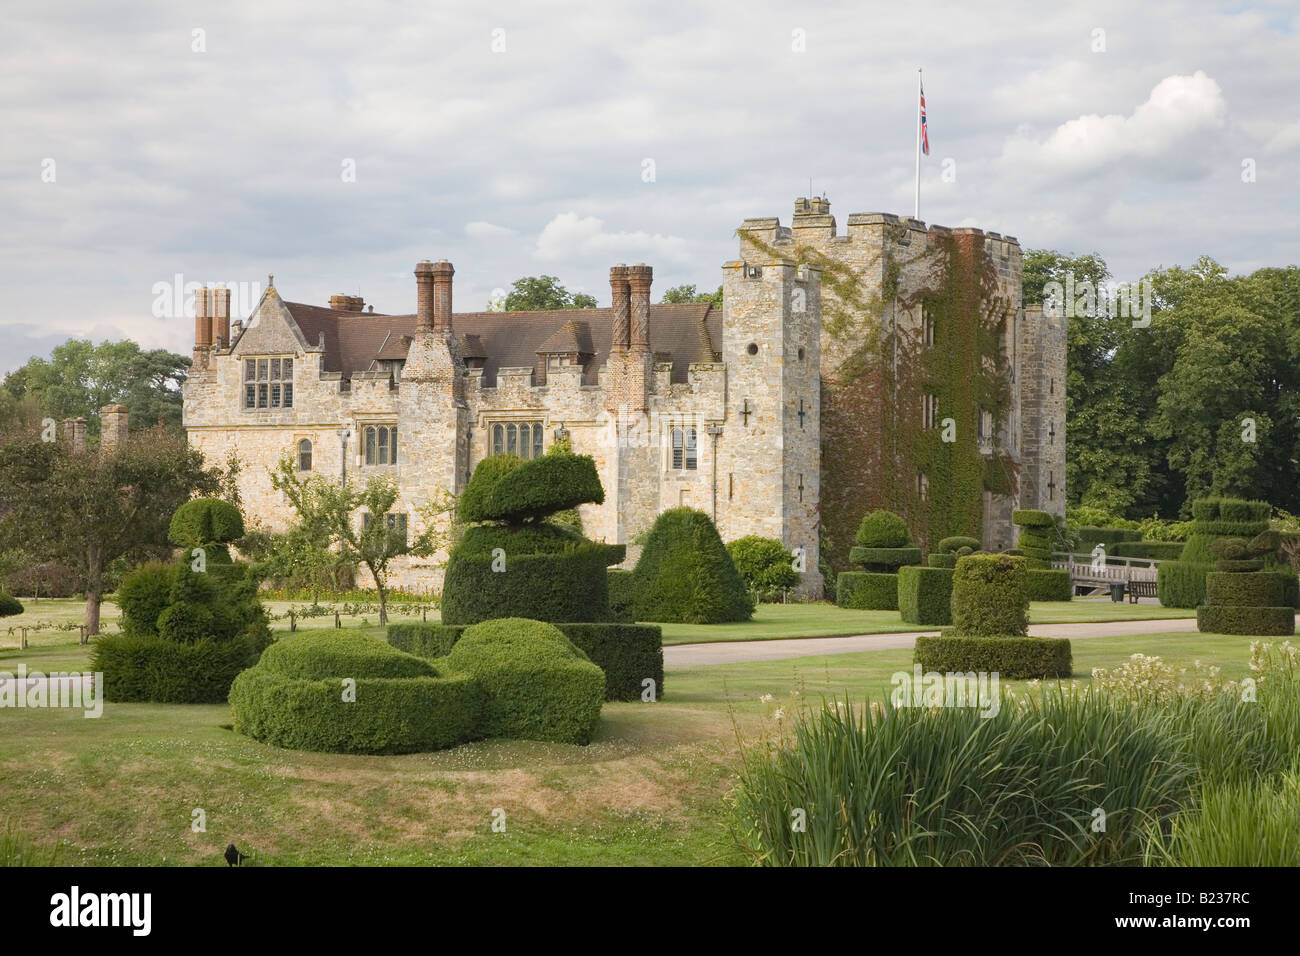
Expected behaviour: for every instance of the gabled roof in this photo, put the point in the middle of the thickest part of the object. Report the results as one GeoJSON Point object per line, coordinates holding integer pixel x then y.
{"type": "Point", "coordinates": [572, 338]}
{"type": "Point", "coordinates": [685, 331]}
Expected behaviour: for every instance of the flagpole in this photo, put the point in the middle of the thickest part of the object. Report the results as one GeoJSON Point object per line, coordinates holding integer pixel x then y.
{"type": "Point", "coordinates": [916, 209]}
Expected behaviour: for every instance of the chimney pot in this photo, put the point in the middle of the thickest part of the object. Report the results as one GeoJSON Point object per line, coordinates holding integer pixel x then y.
{"type": "Point", "coordinates": [112, 427]}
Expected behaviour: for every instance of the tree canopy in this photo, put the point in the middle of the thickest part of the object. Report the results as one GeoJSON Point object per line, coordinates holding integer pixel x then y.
{"type": "Point", "coordinates": [542, 293]}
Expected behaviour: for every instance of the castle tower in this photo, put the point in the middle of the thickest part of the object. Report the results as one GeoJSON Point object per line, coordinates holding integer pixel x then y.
{"type": "Point", "coordinates": [772, 436]}
{"type": "Point", "coordinates": [1040, 379]}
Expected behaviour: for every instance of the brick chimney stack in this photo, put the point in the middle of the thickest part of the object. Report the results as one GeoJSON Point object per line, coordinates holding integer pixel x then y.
{"type": "Point", "coordinates": [221, 317]}
{"type": "Point", "coordinates": [202, 327]}
{"type": "Point", "coordinates": [442, 273]}
{"type": "Point", "coordinates": [639, 278]}
{"type": "Point", "coordinates": [74, 434]}
{"type": "Point", "coordinates": [620, 302]}
{"type": "Point", "coordinates": [112, 427]}
{"type": "Point", "coordinates": [424, 295]}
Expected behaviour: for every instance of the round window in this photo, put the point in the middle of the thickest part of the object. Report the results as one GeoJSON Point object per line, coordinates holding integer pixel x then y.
{"type": "Point", "coordinates": [753, 348]}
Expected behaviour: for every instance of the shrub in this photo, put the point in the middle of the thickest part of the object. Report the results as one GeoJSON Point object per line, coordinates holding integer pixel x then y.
{"type": "Point", "coordinates": [143, 595]}
{"type": "Point", "coordinates": [884, 560]}
{"type": "Point", "coordinates": [627, 653]}
{"type": "Point", "coordinates": [955, 543]}
{"type": "Point", "coordinates": [942, 560]}
{"type": "Point", "coordinates": [144, 668]}
{"type": "Point", "coordinates": [208, 523]}
{"type": "Point", "coordinates": [1229, 619]}
{"type": "Point", "coordinates": [988, 595]}
{"type": "Point", "coordinates": [389, 715]}
{"type": "Point", "coordinates": [552, 587]}
{"type": "Point", "coordinates": [537, 685]}
{"type": "Point", "coordinates": [685, 574]}
{"type": "Point", "coordinates": [535, 538]}
{"type": "Point", "coordinates": [9, 606]}
{"type": "Point", "coordinates": [925, 595]}
{"type": "Point", "coordinates": [883, 529]}
{"type": "Point", "coordinates": [44, 580]}
{"type": "Point", "coordinates": [763, 564]}
{"type": "Point", "coordinates": [1032, 518]}
{"type": "Point", "coordinates": [1153, 550]}
{"type": "Point", "coordinates": [867, 591]}
{"type": "Point", "coordinates": [1012, 658]}
{"type": "Point", "coordinates": [1089, 537]}
{"type": "Point", "coordinates": [314, 655]}
{"type": "Point", "coordinates": [533, 488]}
{"type": "Point", "coordinates": [1180, 584]}
{"type": "Point", "coordinates": [622, 595]}
{"type": "Point", "coordinates": [1254, 590]}
{"type": "Point", "coordinates": [475, 503]}
{"type": "Point", "coordinates": [1048, 585]}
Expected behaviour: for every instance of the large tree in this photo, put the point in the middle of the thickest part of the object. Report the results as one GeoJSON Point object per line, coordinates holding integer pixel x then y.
{"type": "Point", "coordinates": [543, 293]}
{"type": "Point", "coordinates": [80, 378]}
{"type": "Point", "coordinates": [688, 293]}
{"type": "Point", "coordinates": [86, 509]}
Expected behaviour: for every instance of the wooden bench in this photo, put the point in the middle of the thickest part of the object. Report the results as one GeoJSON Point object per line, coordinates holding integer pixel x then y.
{"type": "Point", "coordinates": [1141, 589]}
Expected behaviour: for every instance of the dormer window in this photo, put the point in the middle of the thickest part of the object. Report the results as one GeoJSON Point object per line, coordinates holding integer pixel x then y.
{"type": "Point", "coordinates": [268, 382]}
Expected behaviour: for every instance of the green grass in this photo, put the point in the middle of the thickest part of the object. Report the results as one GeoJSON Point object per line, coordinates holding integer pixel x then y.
{"type": "Point", "coordinates": [650, 790]}
{"type": "Point", "coordinates": [775, 621]}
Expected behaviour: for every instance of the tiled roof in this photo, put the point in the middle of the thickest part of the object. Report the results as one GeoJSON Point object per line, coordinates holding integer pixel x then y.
{"type": "Point", "coordinates": [688, 332]}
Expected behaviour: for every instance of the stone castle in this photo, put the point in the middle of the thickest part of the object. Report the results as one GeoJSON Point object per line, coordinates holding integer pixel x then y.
{"type": "Point", "coordinates": [680, 404]}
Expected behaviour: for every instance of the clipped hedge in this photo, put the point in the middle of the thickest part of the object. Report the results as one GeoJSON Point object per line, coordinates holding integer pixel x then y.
{"type": "Point", "coordinates": [1089, 536]}
{"type": "Point", "coordinates": [627, 653]}
{"type": "Point", "coordinates": [925, 595]}
{"type": "Point", "coordinates": [867, 591]}
{"type": "Point", "coordinates": [942, 560]}
{"type": "Point", "coordinates": [685, 574]}
{"type": "Point", "coordinates": [884, 560]}
{"type": "Point", "coordinates": [1152, 550]}
{"type": "Point", "coordinates": [570, 586]}
{"type": "Point", "coordinates": [1048, 585]}
{"type": "Point", "coordinates": [1258, 621]}
{"type": "Point", "coordinates": [9, 605]}
{"type": "Point", "coordinates": [1032, 518]}
{"type": "Point", "coordinates": [1180, 584]}
{"type": "Point", "coordinates": [144, 668]}
{"type": "Point", "coordinates": [389, 715]}
{"type": "Point", "coordinates": [523, 490]}
{"type": "Point", "coordinates": [1254, 590]}
{"type": "Point", "coordinates": [537, 685]}
{"type": "Point", "coordinates": [621, 586]}
{"type": "Point", "coordinates": [989, 595]}
{"type": "Point", "coordinates": [955, 543]}
{"type": "Point", "coordinates": [1010, 657]}
{"type": "Point", "coordinates": [315, 655]}
{"type": "Point", "coordinates": [143, 595]}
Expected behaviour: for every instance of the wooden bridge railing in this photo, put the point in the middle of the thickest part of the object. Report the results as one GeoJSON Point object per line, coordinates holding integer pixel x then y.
{"type": "Point", "coordinates": [1114, 571]}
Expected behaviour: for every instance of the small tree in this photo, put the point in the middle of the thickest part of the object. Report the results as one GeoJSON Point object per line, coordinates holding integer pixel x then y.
{"type": "Point", "coordinates": [85, 509]}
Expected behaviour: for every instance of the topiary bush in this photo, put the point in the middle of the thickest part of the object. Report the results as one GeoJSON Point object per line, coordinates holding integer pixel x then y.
{"type": "Point", "coordinates": [955, 543]}
{"type": "Point", "coordinates": [143, 595]}
{"type": "Point", "coordinates": [622, 595]}
{"type": "Point", "coordinates": [883, 529]}
{"type": "Point", "coordinates": [1011, 658]}
{"type": "Point", "coordinates": [1182, 583]}
{"type": "Point", "coordinates": [1041, 534]}
{"type": "Point", "coordinates": [528, 490]}
{"type": "Point", "coordinates": [867, 591]}
{"type": "Point", "coordinates": [338, 692]}
{"type": "Point", "coordinates": [763, 564]}
{"type": "Point", "coordinates": [684, 573]}
{"type": "Point", "coordinates": [884, 560]}
{"type": "Point", "coordinates": [569, 586]}
{"type": "Point", "coordinates": [536, 684]}
{"type": "Point", "coordinates": [9, 605]}
{"type": "Point", "coordinates": [942, 560]}
{"type": "Point", "coordinates": [1048, 585]}
{"type": "Point", "coordinates": [208, 523]}
{"type": "Point", "coordinates": [925, 595]}
{"type": "Point", "coordinates": [989, 595]}
{"type": "Point", "coordinates": [1153, 550]}
{"type": "Point", "coordinates": [139, 667]}
{"type": "Point", "coordinates": [629, 654]}
{"type": "Point", "coordinates": [1243, 597]}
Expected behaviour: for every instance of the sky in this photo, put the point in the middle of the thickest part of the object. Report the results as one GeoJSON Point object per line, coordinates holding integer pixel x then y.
{"type": "Point", "coordinates": [148, 145]}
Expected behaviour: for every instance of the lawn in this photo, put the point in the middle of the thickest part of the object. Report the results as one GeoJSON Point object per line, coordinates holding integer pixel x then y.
{"type": "Point", "coordinates": [650, 790]}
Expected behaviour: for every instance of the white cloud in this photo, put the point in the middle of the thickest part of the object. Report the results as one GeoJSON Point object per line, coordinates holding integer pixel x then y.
{"type": "Point", "coordinates": [569, 237]}
{"type": "Point", "coordinates": [486, 230]}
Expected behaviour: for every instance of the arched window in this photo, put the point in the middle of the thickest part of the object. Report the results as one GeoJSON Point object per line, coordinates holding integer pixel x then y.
{"type": "Point", "coordinates": [512, 439]}
{"type": "Point", "coordinates": [517, 438]}
{"type": "Point", "coordinates": [498, 439]}
{"type": "Point", "coordinates": [690, 448]}
{"type": "Point", "coordinates": [677, 448]}
{"type": "Point", "coordinates": [304, 455]}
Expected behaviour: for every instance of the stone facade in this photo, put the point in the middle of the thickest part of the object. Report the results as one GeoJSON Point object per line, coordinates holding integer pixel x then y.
{"type": "Point", "coordinates": [677, 404]}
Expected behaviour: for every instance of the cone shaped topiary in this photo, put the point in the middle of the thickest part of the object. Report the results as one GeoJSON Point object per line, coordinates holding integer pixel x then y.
{"type": "Point", "coordinates": [685, 574]}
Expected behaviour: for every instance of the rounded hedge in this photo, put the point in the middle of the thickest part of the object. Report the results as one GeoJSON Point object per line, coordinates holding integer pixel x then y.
{"type": "Point", "coordinates": [529, 489]}
{"type": "Point", "coordinates": [955, 543]}
{"type": "Point", "coordinates": [989, 595]}
{"type": "Point", "coordinates": [9, 605]}
{"type": "Point", "coordinates": [143, 668]}
{"type": "Point", "coordinates": [315, 655]}
{"type": "Point", "coordinates": [686, 575]}
{"type": "Point", "coordinates": [925, 595]}
{"type": "Point", "coordinates": [537, 685]}
{"type": "Point", "coordinates": [764, 564]}
{"type": "Point", "coordinates": [883, 529]}
{"type": "Point", "coordinates": [205, 521]}
{"type": "Point", "coordinates": [143, 595]}
{"type": "Point", "coordinates": [867, 590]}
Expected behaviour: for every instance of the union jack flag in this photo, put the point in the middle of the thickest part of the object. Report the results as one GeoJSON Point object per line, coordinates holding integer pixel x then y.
{"type": "Point", "coordinates": [925, 130]}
